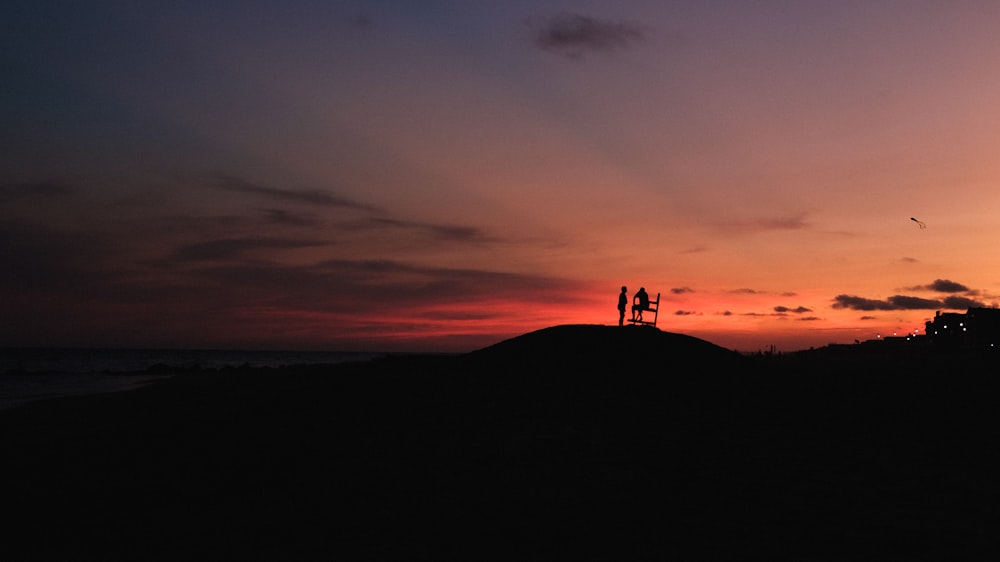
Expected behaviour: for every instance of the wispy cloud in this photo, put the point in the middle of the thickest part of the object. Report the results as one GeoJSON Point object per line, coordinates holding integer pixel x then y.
{"type": "Point", "coordinates": [406, 280]}
{"type": "Point", "coordinates": [377, 218]}
{"type": "Point", "coordinates": [573, 35]}
{"type": "Point", "coordinates": [765, 224]}
{"type": "Point", "coordinates": [362, 20]}
{"type": "Point", "coordinates": [311, 197]}
{"type": "Point", "coordinates": [287, 218]}
{"type": "Point", "coordinates": [236, 247]}
{"type": "Point", "coordinates": [782, 223]}
{"type": "Point", "coordinates": [695, 250]}
{"type": "Point", "coordinates": [438, 231]}
{"type": "Point", "coordinates": [381, 288]}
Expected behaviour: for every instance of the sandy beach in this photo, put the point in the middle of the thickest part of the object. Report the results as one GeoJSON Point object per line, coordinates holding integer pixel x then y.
{"type": "Point", "coordinates": [576, 442]}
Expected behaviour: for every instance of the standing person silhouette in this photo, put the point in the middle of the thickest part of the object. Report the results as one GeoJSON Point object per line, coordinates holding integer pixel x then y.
{"type": "Point", "coordinates": [641, 302]}
{"type": "Point", "coordinates": [622, 302]}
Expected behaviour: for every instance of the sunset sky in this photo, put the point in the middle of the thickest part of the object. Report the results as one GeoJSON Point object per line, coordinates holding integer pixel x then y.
{"type": "Point", "coordinates": [443, 175]}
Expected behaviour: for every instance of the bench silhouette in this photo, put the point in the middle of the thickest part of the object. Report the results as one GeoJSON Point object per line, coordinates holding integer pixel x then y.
{"type": "Point", "coordinates": [654, 307]}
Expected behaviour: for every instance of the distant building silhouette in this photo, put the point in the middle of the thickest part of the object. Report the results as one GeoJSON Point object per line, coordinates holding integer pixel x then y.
{"type": "Point", "coordinates": [976, 328]}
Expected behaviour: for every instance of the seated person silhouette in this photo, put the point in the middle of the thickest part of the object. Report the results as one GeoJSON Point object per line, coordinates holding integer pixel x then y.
{"type": "Point", "coordinates": [640, 302]}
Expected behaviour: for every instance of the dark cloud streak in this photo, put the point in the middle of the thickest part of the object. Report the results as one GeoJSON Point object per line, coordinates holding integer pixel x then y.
{"type": "Point", "coordinates": [902, 302]}
{"type": "Point", "coordinates": [572, 35]}
{"type": "Point", "coordinates": [444, 284]}
{"type": "Point", "coordinates": [286, 218]}
{"type": "Point", "coordinates": [959, 303]}
{"type": "Point", "coordinates": [905, 302]}
{"type": "Point", "coordinates": [312, 197]}
{"type": "Point", "coordinates": [797, 310]}
{"type": "Point", "coordinates": [441, 232]}
{"type": "Point", "coordinates": [236, 247]}
{"type": "Point", "coordinates": [768, 224]}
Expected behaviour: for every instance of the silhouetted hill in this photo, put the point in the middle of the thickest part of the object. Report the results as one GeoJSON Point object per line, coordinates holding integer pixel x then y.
{"type": "Point", "coordinates": [589, 346]}
{"type": "Point", "coordinates": [573, 442]}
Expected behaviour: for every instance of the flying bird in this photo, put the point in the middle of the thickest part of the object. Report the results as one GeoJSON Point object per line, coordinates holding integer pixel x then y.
{"type": "Point", "coordinates": [920, 224]}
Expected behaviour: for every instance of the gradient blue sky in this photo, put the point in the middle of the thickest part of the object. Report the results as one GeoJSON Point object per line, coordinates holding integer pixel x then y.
{"type": "Point", "coordinates": [439, 176]}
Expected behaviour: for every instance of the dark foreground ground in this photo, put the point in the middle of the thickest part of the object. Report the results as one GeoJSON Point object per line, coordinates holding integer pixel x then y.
{"type": "Point", "coordinates": [556, 445]}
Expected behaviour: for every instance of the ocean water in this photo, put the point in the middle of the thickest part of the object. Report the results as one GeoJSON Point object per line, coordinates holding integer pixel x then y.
{"type": "Point", "coordinates": [36, 373]}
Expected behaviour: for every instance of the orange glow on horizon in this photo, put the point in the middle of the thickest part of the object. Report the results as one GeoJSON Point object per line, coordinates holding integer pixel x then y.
{"type": "Point", "coordinates": [391, 186]}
